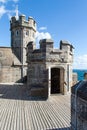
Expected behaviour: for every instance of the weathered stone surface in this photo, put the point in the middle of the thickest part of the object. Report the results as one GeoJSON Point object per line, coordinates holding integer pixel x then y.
{"type": "Point", "coordinates": [41, 61]}
{"type": "Point", "coordinates": [74, 78]}
{"type": "Point", "coordinates": [13, 66]}
{"type": "Point", "coordinates": [6, 56]}
{"type": "Point", "coordinates": [10, 74]}
{"type": "Point", "coordinates": [10, 66]}
{"type": "Point", "coordinates": [79, 106]}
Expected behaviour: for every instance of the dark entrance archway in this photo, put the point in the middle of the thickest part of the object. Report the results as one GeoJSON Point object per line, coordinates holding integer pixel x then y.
{"type": "Point", "coordinates": [57, 80]}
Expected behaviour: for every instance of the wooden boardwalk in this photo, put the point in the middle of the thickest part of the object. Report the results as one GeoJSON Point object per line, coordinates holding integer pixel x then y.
{"type": "Point", "coordinates": [19, 112]}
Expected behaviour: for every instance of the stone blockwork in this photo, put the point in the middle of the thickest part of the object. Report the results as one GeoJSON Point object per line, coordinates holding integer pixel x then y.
{"type": "Point", "coordinates": [37, 78]}
{"type": "Point", "coordinates": [10, 74]}
{"type": "Point", "coordinates": [40, 64]}
{"type": "Point", "coordinates": [79, 106]}
{"type": "Point", "coordinates": [74, 79]}
{"type": "Point", "coordinates": [13, 66]}
{"type": "Point", "coordinates": [46, 71]}
{"type": "Point", "coordinates": [22, 32]}
{"type": "Point", "coordinates": [10, 67]}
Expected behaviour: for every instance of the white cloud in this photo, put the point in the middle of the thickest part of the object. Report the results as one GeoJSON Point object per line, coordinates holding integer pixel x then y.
{"type": "Point", "coordinates": [9, 13]}
{"type": "Point", "coordinates": [2, 11]}
{"type": "Point", "coordinates": [3, 1]}
{"type": "Point", "coordinates": [80, 62]}
{"type": "Point", "coordinates": [42, 35]}
{"type": "Point", "coordinates": [43, 28]}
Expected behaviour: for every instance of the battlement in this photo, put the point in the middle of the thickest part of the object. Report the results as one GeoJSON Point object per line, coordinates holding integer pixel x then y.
{"type": "Point", "coordinates": [47, 69]}
{"type": "Point", "coordinates": [30, 23]}
{"type": "Point", "coordinates": [22, 32]}
{"type": "Point", "coordinates": [46, 45]}
{"type": "Point", "coordinates": [48, 53]}
{"type": "Point", "coordinates": [65, 45]}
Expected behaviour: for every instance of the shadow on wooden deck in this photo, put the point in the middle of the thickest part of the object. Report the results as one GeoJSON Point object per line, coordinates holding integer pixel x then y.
{"type": "Point", "coordinates": [20, 112]}
{"type": "Point", "coordinates": [17, 92]}
{"type": "Point", "coordinates": [66, 128]}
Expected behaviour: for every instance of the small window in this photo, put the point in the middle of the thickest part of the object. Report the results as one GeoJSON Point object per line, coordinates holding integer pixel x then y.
{"type": "Point", "coordinates": [17, 32]}
{"type": "Point", "coordinates": [27, 33]}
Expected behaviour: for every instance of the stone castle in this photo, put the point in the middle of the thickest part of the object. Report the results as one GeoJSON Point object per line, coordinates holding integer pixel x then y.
{"type": "Point", "coordinates": [45, 70]}
{"type": "Point", "coordinates": [13, 66]}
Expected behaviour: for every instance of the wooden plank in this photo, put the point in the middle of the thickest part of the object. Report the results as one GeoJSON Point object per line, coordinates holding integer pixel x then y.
{"type": "Point", "coordinates": [18, 112]}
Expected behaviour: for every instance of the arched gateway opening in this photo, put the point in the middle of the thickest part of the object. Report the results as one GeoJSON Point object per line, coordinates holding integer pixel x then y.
{"type": "Point", "coordinates": [57, 80]}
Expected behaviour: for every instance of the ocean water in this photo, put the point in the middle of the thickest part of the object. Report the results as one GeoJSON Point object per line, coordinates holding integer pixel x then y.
{"type": "Point", "coordinates": [80, 73]}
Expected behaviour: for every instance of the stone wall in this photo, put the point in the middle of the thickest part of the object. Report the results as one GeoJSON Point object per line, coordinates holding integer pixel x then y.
{"type": "Point", "coordinates": [22, 32]}
{"type": "Point", "coordinates": [37, 78]}
{"type": "Point", "coordinates": [11, 69]}
{"type": "Point", "coordinates": [74, 79]}
{"type": "Point", "coordinates": [79, 106]}
{"type": "Point", "coordinates": [41, 61]}
{"type": "Point", "coordinates": [10, 74]}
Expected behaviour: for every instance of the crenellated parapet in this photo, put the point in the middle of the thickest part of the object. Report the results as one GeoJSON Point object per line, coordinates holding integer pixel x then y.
{"type": "Point", "coordinates": [47, 53]}
{"type": "Point", "coordinates": [30, 23]}
{"type": "Point", "coordinates": [49, 68]}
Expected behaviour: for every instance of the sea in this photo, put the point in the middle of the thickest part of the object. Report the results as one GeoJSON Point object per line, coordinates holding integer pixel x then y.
{"type": "Point", "coordinates": [80, 73]}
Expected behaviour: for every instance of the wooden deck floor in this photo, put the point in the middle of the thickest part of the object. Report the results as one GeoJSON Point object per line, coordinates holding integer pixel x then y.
{"type": "Point", "coordinates": [19, 112]}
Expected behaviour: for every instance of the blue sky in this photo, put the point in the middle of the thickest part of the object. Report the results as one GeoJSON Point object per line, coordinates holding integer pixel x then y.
{"type": "Point", "coordinates": [59, 19]}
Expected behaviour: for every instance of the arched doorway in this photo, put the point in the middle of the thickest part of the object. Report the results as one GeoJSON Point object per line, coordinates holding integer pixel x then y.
{"type": "Point", "coordinates": [57, 80]}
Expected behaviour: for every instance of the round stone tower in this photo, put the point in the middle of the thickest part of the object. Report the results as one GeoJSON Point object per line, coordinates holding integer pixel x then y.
{"type": "Point", "coordinates": [22, 32]}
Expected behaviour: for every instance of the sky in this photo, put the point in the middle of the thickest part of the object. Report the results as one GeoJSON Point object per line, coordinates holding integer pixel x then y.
{"type": "Point", "coordinates": [56, 19]}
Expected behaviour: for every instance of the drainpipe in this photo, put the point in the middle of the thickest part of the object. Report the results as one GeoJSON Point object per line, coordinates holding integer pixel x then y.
{"type": "Point", "coordinates": [76, 103]}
